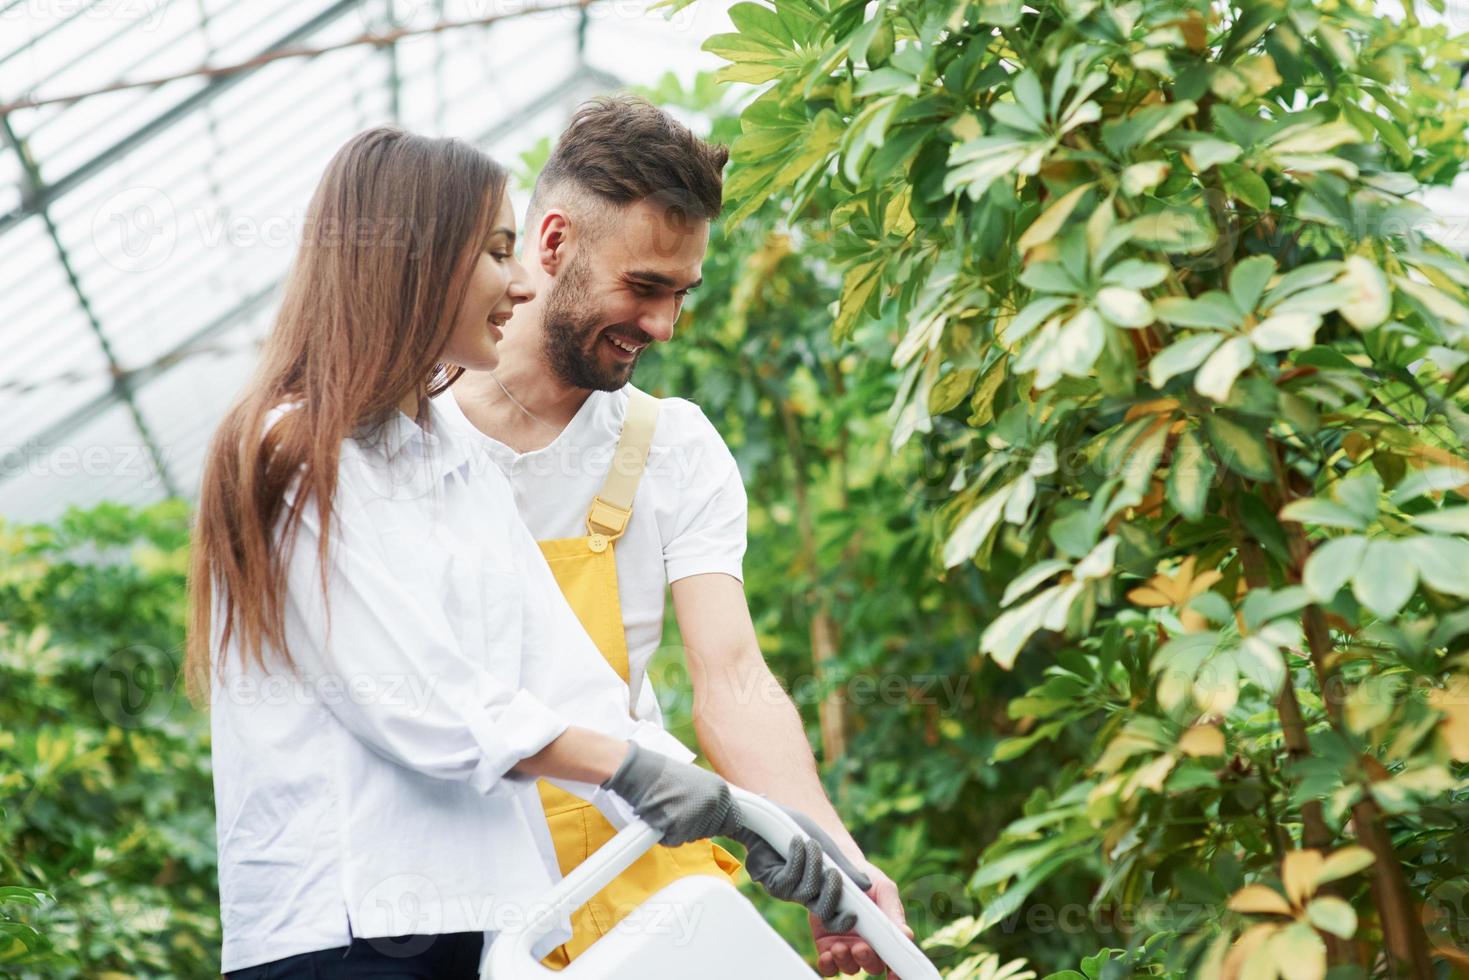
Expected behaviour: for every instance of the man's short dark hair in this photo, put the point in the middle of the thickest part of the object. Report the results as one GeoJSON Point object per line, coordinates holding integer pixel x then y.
{"type": "Point", "coordinates": [619, 150]}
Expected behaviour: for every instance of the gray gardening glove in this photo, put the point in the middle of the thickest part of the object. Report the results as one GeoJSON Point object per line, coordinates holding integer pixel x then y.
{"type": "Point", "coordinates": [802, 877]}
{"type": "Point", "coordinates": [685, 802]}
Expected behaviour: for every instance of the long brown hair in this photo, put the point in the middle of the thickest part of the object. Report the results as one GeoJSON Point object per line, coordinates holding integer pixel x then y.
{"type": "Point", "coordinates": [392, 234]}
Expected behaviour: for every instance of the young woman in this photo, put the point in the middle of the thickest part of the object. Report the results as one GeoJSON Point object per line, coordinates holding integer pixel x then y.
{"type": "Point", "coordinates": [388, 660]}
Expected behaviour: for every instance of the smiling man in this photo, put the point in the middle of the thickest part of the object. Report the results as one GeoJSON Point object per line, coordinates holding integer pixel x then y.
{"type": "Point", "coordinates": [615, 237]}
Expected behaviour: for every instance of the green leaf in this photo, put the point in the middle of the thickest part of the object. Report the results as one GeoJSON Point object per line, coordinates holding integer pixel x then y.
{"type": "Point", "coordinates": [857, 286]}
{"type": "Point", "coordinates": [1369, 302]}
{"type": "Point", "coordinates": [1241, 449]}
{"type": "Point", "coordinates": [1322, 513]}
{"type": "Point", "coordinates": [1140, 178]}
{"type": "Point", "coordinates": [1372, 702]}
{"type": "Point", "coordinates": [951, 389]}
{"type": "Point", "coordinates": [1262, 605]}
{"type": "Point", "coordinates": [1031, 578]}
{"type": "Point", "coordinates": [1035, 313]}
{"type": "Point", "coordinates": [1442, 562]}
{"type": "Point", "coordinates": [1009, 631]}
{"type": "Point", "coordinates": [1303, 277]}
{"type": "Point", "coordinates": [1216, 378]}
{"type": "Point", "coordinates": [886, 81]}
{"type": "Point", "coordinates": [1359, 492]}
{"type": "Point", "coordinates": [1332, 565]}
{"type": "Point", "coordinates": [1049, 277]}
{"type": "Point", "coordinates": [1248, 279]}
{"type": "Point", "coordinates": [975, 526]}
{"type": "Point", "coordinates": [1286, 331]}
{"type": "Point", "coordinates": [1449, 520]}
{"type": "Point", "coordinates": [1122, 136]}
{"type": "Point", "coordinates": [1018, 861]}
{"type": "Point", "coordinates": [1050, 221]}
{"type": "Point", "coordinates": [1432, 480]}
{"type": "Point", "coordinates": [1185, 230]}
{"type": "Point", "coordinates": [1298, 952]}
{"type": "Point", "coordinates": [1261, 662]}
{"type": "Point", "coordinates": [1011, 899]}
{"type": "Point", "coordinates": [1190, 477]}
{"type": "Point", "coordinates": [1124, 307]}
{"type": "Point", "coordinates": [1213, 607]}
{"type": "Point", "coordinates": [1184, 355]}
{"type": "Point", "coordinates": [1028, 95]}
{"type": "Point", "coordinates": [1344, 863]}
{"type": "Point", "coordinates": [1318, 300]}
{"type": "Point", "coordinates": [1386, 578]}
{"type": "Point", "coordinates": [1207, 152]}
{"type": "Point", "coordinates": [1246, 186]}
{"type": "Point", "coordinates": [1016, 746]}
{"type": "Point", "coordinates": [741, 48]}
{"type": "Point", "coordinates": [1212, 310]}
{"type": "Point", "coordinates": [977, 164]}
{"type": "Point", "coordinates": [1075, 534]}
{"type": "Point", "coordinates": [761, 21]}
{"type": "Point", "coordinates": [982, 405]}
{"type": "Point", "coordinates": [1135, 274]}
{"type": "Point", "coordinates": [18, 895]}
{"type": "Point", "coordinates": [1001, 13]}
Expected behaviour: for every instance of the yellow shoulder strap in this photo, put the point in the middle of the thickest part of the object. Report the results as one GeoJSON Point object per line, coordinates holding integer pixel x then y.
{"type": "Point", "coordinates": [612, 507]}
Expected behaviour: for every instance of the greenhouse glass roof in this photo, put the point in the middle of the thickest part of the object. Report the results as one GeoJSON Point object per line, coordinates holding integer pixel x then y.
{"type": "Point", "coordinates": [144, 230]}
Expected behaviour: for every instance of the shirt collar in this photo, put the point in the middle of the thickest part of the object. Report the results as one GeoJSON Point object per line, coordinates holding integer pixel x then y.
{"type": "Point", "coordinates": [401, 434]}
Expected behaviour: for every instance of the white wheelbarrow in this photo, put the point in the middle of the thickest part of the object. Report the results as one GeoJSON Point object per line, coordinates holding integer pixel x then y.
{"type": "Point", "coordinates": [718, 935]}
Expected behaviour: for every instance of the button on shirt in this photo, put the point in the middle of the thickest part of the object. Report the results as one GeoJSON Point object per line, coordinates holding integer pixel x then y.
{"type": "Point", "coordinates": [689, 515]}
{"type": "Point", "coordinates": [370, 793]}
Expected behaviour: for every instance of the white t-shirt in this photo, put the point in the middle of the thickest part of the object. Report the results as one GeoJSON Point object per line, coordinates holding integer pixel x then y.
{"type": "Point", "coordinates": [688, 518]}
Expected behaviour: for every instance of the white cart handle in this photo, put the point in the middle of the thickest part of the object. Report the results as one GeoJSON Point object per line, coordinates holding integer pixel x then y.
{"type": "Point", "coordinates": [884, 935]}
{"type": "Point", "coordinates": [758, 815]}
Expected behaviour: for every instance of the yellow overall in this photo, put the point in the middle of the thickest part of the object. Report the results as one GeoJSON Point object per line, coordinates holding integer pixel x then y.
{"type": "Point", "coordinates": [586, 569]}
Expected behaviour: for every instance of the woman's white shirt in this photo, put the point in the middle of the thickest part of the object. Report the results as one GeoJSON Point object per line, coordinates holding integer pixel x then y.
{"type": "Point", "coordinates": [370, 793]}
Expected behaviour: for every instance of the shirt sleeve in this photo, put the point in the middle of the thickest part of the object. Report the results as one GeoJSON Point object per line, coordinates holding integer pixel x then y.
{"type": "Point", "coordinates": [710, 526]}
{"type": "Point", "coordinates": [457, 720]}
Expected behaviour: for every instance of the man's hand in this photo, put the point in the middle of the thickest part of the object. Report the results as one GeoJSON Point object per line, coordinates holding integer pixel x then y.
{"type": "Point", "coordinates": [849, 953]}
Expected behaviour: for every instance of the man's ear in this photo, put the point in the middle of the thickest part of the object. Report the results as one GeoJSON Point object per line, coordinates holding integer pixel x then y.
{"type": "Point", "coordinates": [554, 241]}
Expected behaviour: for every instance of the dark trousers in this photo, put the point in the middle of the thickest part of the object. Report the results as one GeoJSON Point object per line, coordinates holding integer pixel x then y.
{"type": "Point", "coordinates": [452, 956]}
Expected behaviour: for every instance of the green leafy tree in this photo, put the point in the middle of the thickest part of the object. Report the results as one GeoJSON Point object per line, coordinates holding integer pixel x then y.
{"type": "Point", "coordinates": [1193, 380]}
{"type": "Point", "coordinates": [876, 652]}
{"type": "Point", "coordinates": [105, 787]}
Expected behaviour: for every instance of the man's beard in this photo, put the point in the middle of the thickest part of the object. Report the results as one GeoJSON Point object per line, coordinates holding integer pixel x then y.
{"type": "Point", "coordinates": [572, 330]}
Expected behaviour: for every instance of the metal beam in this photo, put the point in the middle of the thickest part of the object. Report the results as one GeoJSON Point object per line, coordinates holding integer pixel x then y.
{"type": "Point", "coordinates": [136, 378]}
{"type": "Point", "coordinates": [122, 390]}
{"type": "Point", "coordinates": [395, 77]}
{"type": "Point", "coordinates": [43, 195]}
{"type": "Point", "coordinates": [52, 29]}
{"type": "Point", "coordinates": [91, 410]}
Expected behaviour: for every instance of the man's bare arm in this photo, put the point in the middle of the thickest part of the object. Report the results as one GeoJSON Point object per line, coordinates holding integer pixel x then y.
{"type": "Point", "coordinates": [752, 733]}
{"type": "Point", "coordinates": [746, 723]}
